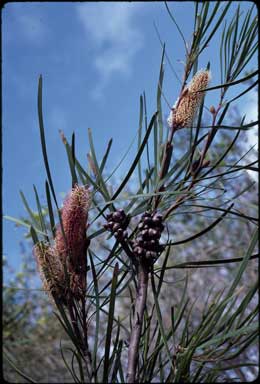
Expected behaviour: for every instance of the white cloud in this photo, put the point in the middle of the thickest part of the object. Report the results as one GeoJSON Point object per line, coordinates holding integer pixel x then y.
{"type": "Point", "coordinates": [108, 21]}
{"type": "Point", "coordinates": [116, 37]}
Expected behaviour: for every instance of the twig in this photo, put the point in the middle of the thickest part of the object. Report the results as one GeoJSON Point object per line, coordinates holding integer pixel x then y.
{"type": "Point", "coordinates": [143, 269]}
{"type": "Point", "coordinates": [194, 180]}
{"type": "Point", "coordinates": [143, 274]}
{"type": "Point", "coordinates": [87, 353]}
{"type": "Point", "coordinates": [83, 347]}
{"type": "Point", "coordinates": [169, 146]}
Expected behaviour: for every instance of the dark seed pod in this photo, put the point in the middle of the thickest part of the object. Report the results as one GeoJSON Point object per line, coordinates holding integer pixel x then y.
{"type": "Point", "coordinates": [109, 216]}
{"type": "Point", "coordinates": [125, 234]}
{"type": "Point", "coordinates": [156, 222]}
{"type": "Point", "coordinates": [139, 251]}
{"type": "Point", "coordinates": [120, 232]}
{"type": "Point", "coordinates": [146, 244]}
{"type": "Point", "coordinates": [117, 217]}
{"type": "Point", "coordinates": [148, 254]}
{"type": "Point", "coordinates": [154, 255]}
{"type": "Point", "coordinates": [157, 234]}
{"type": "Point", "coordinates": [140, 225]}
{"type": "Point", "coordinates": [148, 221]}
{"type": "Point", "coordinates": [152, 232]}
{"type": "Point", "coordinates": [116, 227]}
{"type": "Point", "coordinates": [110, 225]}
{"type": "Point", "coordinates": [139, 241]}
{"type": "Point", "coordinates": [158, 217]}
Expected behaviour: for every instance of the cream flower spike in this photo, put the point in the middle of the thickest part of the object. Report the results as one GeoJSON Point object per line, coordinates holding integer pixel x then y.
{"type": "Point", "coordinates": [185, 108]}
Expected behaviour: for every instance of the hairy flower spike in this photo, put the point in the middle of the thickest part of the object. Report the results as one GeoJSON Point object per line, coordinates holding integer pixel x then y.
{"type": "Point", "coordinates": [63, 266]}
{"type": "Point", "coordinates": [185, 108]}
{"type": "Point", "coordinates": [51, 271]}
{"type": "Point", "coordinates": [71, 245]}
{"type": "Point", "coordinates": [74, 220]}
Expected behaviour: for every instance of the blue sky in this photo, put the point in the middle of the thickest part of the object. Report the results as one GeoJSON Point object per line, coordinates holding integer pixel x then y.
{"type": "Point", "coordinates": [96, 59]}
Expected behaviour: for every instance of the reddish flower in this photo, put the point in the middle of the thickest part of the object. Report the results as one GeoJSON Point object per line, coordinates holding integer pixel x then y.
{"type": "Point", "coordinates": [74, 220]}
{"type": "Point", "coordinates": [71, 243]}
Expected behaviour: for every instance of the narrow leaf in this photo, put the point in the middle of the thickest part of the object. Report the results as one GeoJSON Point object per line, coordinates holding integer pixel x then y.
{"type": "Point", "coordinates": [110, 323]}
{"type": "Point", "coordinates": [43, 143]}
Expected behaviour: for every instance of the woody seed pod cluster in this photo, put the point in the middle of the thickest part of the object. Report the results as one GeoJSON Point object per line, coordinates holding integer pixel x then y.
{"type": "Point", "coordinates": [146, 245]}
{"type": "Point", "coordinates": [117, 223]}
{"type": "Point", "coordinates": [186, 106]}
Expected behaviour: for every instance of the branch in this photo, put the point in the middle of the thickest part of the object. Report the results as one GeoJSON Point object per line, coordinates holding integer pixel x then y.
{"type": "Point", "coordinates": [140, 304]}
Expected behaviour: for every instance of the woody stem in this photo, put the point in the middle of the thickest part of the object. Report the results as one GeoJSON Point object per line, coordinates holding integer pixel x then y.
{"type": "Point", "coordinates": [140, 303]}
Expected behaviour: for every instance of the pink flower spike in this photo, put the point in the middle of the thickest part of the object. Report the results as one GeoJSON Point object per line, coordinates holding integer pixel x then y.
{"type": "Point", "coordinates": [74, 220]}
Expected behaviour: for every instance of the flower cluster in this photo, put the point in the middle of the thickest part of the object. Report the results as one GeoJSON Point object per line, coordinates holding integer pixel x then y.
{"type": "Point", "coordinates": [63, 266]}
{"type": "Point", "coordinates": [186, 106]}
{"type": "Point", "coordinates": [74, 216]}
